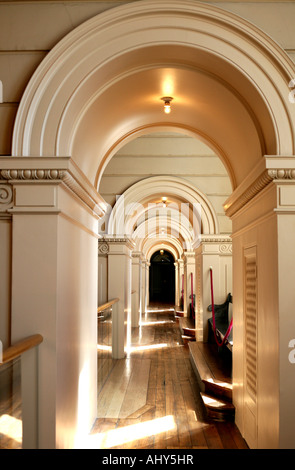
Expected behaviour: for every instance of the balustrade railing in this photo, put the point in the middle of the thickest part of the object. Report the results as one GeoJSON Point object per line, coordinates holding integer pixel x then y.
{"type": "Point", "coordinates": [26, 349]}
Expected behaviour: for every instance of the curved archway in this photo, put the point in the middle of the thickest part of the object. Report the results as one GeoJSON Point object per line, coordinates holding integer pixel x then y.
{"type": "Point", "coordinates": [68, 107]}
{"type": "Point", "coordinates": [157, 230]}
{"type": "Point", "coordinates": [171, 245]}
{"type": "Point", "coordinates": [146, 196]}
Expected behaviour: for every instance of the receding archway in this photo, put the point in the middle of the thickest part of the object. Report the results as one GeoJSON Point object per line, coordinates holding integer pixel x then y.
{"type": "Point", "coordinates": [70, 105]}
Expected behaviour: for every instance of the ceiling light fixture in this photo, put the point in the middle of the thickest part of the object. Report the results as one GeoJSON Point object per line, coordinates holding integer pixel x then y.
{"type": "Point", "coordinates": [164, 199]}
{"type": "Point", "coordinates": [167, 106]}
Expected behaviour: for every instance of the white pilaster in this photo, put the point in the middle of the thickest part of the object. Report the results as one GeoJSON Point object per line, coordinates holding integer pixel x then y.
{"type": "Point", "coordinates": [6, 202]}
{"type": "Point", "coordinates": [176, 284]}
{"type": "Point", "coordinates": [102, 278]}
{"type": "Point", "coordinates": [189, 266]}
{"type": "Point", "coordinates": [181, 283]}
{"type": "Point", "coordinates": [143, 286]}
{"type": "Point", "coordinates": [213, 251]}
{"type": "Point", "coordinates": [136, 309]}
{"type": "Point", "coordinates": [55, 215]}
{"type": "Point", "coordinates": [119, 286]}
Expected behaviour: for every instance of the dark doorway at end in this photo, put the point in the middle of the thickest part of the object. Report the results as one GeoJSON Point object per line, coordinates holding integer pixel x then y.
{"type": "Point", "coordinates": [162, 278]}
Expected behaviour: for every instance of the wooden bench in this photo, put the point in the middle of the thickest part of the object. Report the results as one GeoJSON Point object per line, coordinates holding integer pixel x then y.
{"type": "Point", "coordinates": [214, 380]}
{"type": "Point", "coordinates": [221, 322]}
{"type": "Point", "coordinates": [187, 329]}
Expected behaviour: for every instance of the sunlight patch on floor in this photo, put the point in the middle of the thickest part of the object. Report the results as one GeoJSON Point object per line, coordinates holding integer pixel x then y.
{"type": "Point", "coordinates": [152, 323]}
{"type": "Point", "coordinates": [102, 347]}
{"type": "Point", "coordinates": [11, 427]}
{"type": "Point", "coordinates": [157, 310]}
{"type": "Point", "coordinates": [148, 347]}
{"type": "Point", "coordinates": [121, 436]}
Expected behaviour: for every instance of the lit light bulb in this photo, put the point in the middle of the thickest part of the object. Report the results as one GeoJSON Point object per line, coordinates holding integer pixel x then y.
{"type": "Point", "coordinates": [167, 108]}
{"type": "Point", "coordinates": [167, 104]}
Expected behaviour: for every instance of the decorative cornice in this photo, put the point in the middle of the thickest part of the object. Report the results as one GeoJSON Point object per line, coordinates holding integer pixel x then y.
{"type": "Point", "coordinates": [270, 169]}
{"type": "Point", "coordinates": [214, 244]}
{"type": "Point", "coordinates": [32, 174]}
{"type": "Point", "coordinates": [121, 240]}
{"type": "Point", "coordinates": [59, 170]}
{"type": "Point", "coordinates": [215, 238]}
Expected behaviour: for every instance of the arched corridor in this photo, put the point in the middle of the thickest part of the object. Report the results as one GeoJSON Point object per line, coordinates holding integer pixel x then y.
{"type": "Point", "coordinates": [86, 200]}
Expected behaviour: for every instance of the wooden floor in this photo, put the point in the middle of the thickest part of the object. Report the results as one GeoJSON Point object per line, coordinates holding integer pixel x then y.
{"type": "Point", "coordinates": [149, 400]}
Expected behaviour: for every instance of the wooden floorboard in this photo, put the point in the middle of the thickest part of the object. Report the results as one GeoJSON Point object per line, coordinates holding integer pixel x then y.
{"type": "Point", "coordinates": [150, 400]}
{"type": "Point", "coordinates": [172, 397]}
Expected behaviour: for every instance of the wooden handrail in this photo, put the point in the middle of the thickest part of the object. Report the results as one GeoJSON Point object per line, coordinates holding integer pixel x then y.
{"type": "Point", "coordinates": [107, 305]}
{"type": "Point", "coordinates": [20, 347]}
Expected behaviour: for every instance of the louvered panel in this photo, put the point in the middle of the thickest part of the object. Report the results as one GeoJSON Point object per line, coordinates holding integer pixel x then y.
{"type": "Point", "coordinates": [251, 326]}
{"type": "Point", "coordinates": [199, 288]}
{"type": "Point", "coordinates": [199, 313]}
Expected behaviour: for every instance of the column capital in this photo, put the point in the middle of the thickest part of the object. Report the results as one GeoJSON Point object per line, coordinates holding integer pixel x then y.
{"type": "Point", "coordinates": [18, 172]}
{"type": "Point", "coordinates": [188, 254]}
{"type": "Point", "coordinates": [113, 241]}
{"type": "Point", "coordinates": [270, 169]}
{"type": "Point", "coordinates": [215, 244]}
{"type": "Point", "coordinates": [137, 257]}
{"type": "Point", "coordinates": [137, 254]}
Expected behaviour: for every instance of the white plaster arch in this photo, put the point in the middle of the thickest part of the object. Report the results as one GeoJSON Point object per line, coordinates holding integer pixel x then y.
{"type": "Point", "coordinates": [117, 57]}
{"type": "Point", "coordinates": [172, 246]}
{"type": "Point", "coordinates": [150, 191]}
{"type": "Point", "coordinates": [176, 230]}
